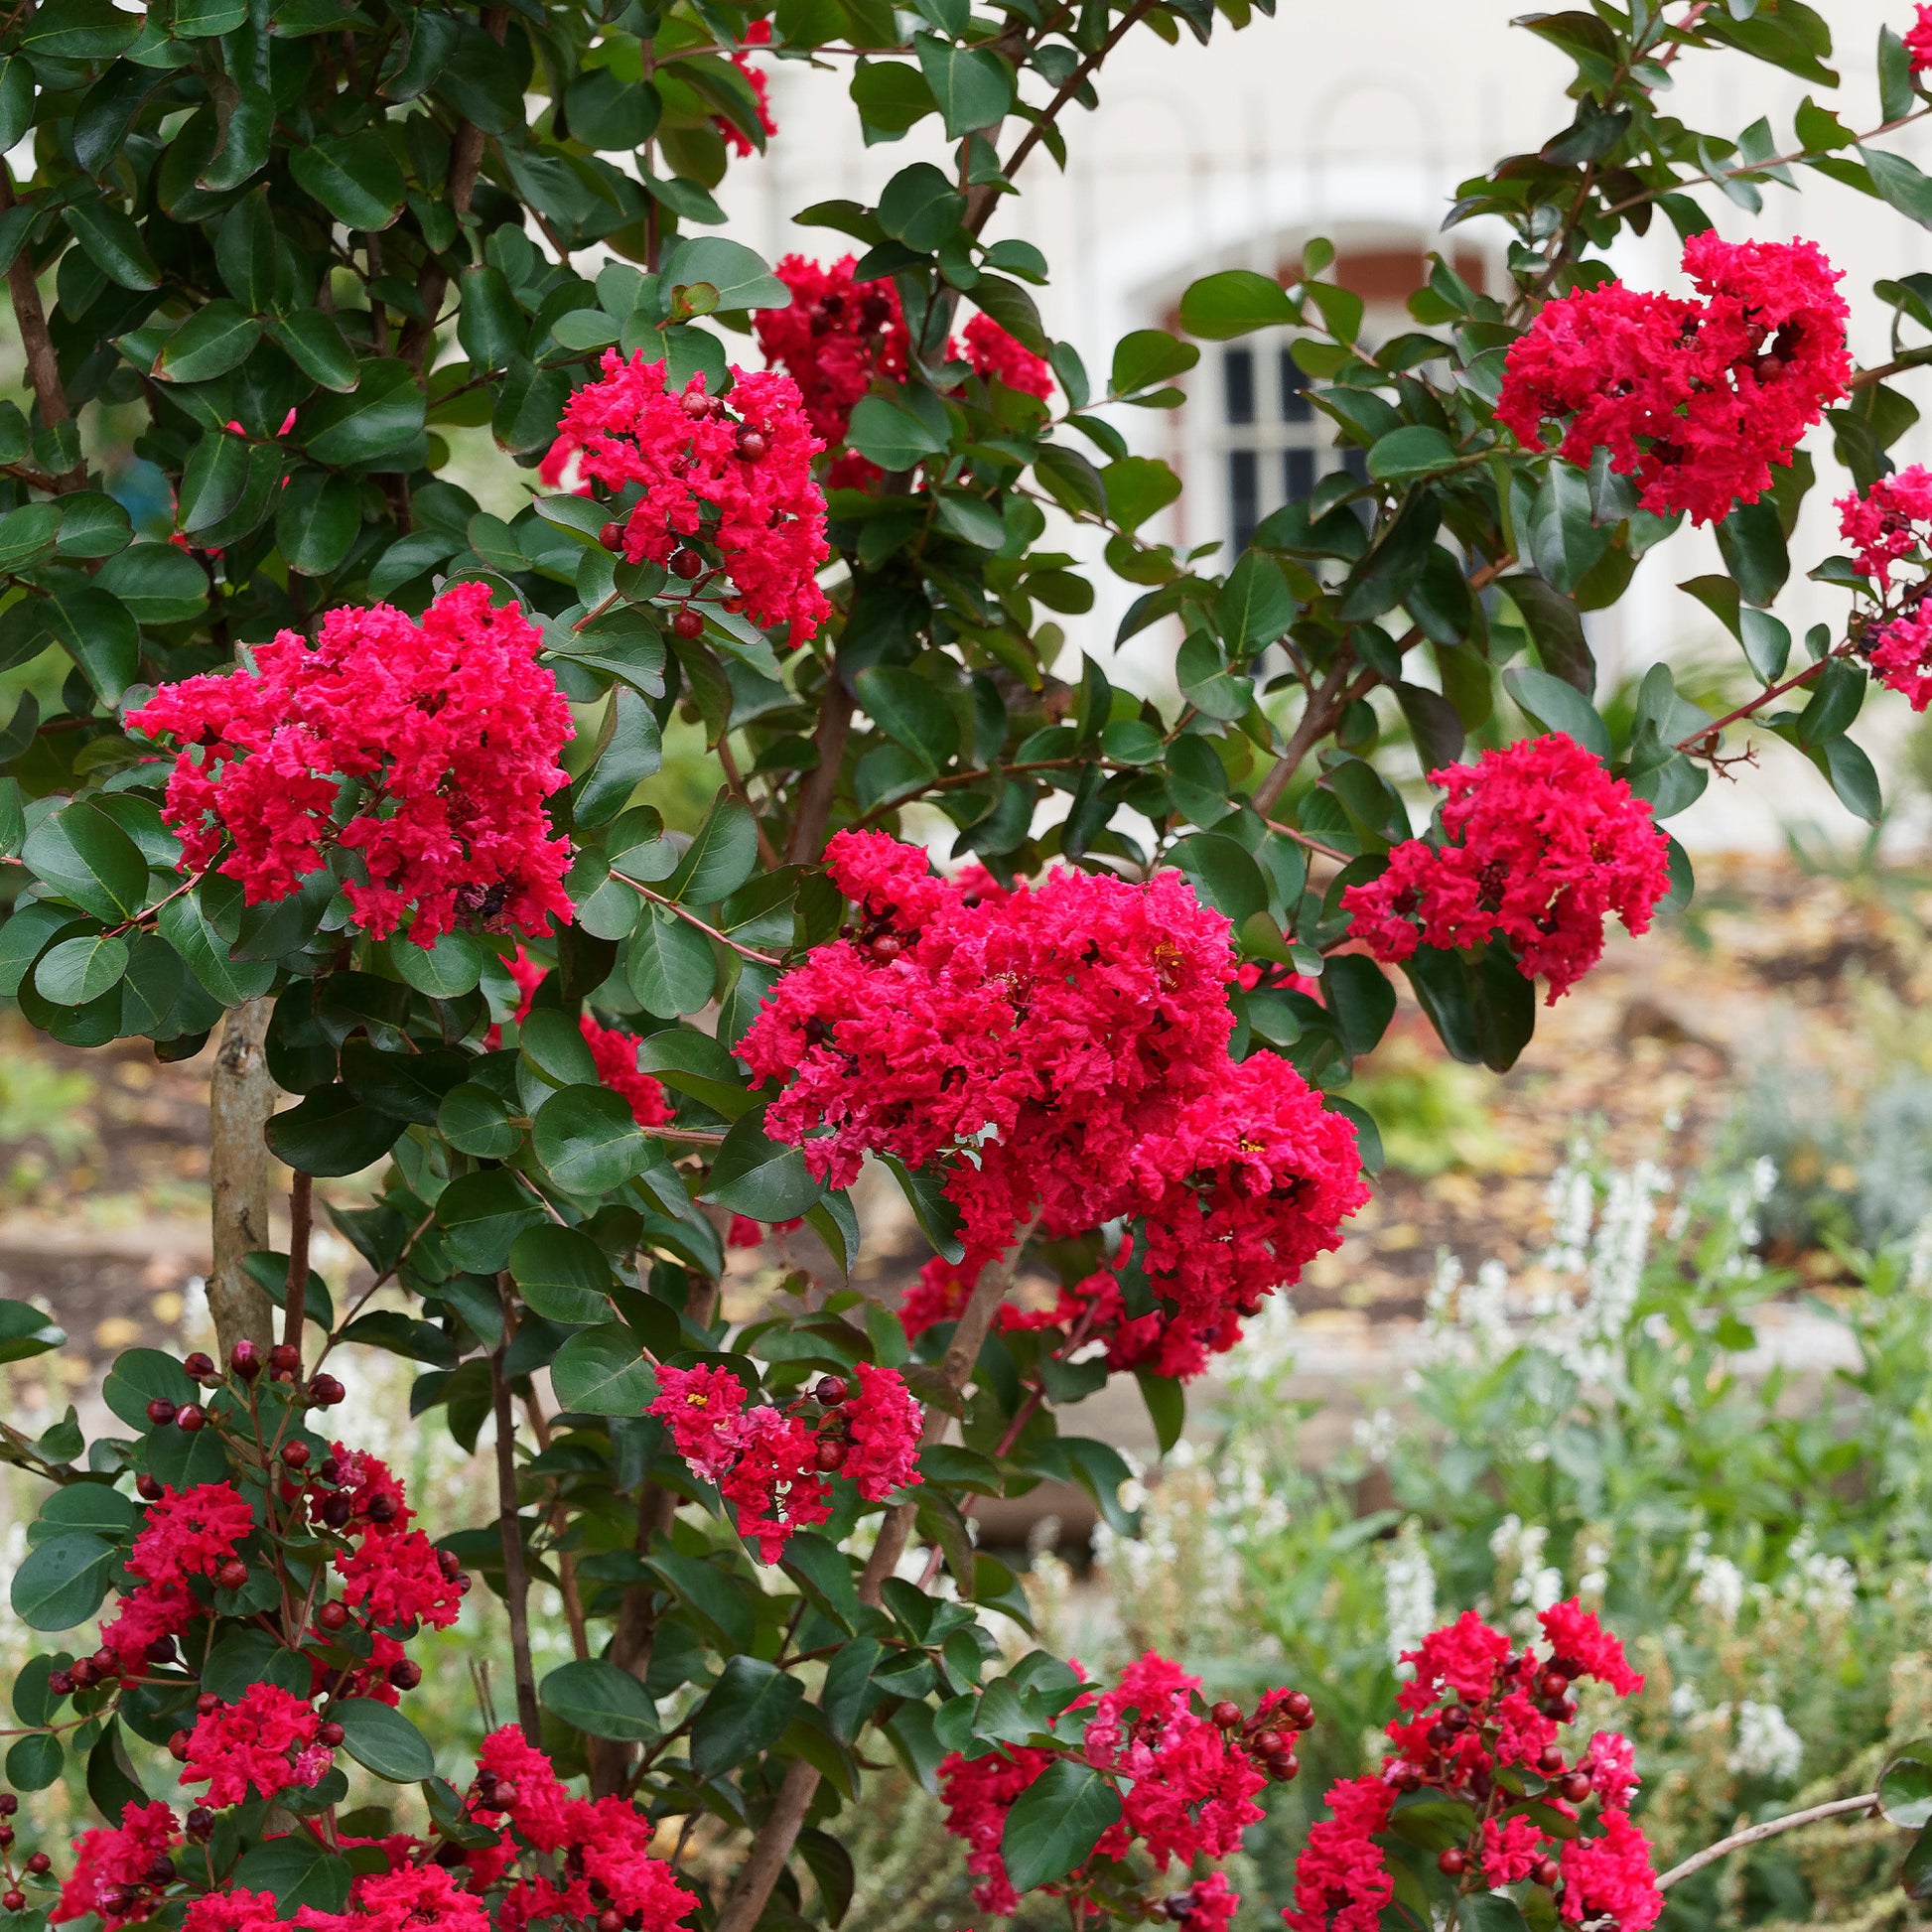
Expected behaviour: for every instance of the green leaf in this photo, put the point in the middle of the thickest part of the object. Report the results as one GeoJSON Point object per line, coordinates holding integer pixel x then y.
{"type": "Point", "coordinates": [92, 524]}
{"type": "Point", "coordinates": [602, 1374]}
{"type": "Point", "coordinates": [1235, 302]}
{"type": "Point", "coordinates": [588, 1140]}
{"type": "Point", "coordinates": [633, 753]}
{"type": "Point", "coordinates": [78, 30]}
{"type": "Point", "coordinates": [889, 434]}
{"type": "Point", "coordinates": [1166, 1406]}
{"type": "Point", "coordinates": [248, 1656]}
{"type": "Point", "coordinates": [384, 411]}
{"type": "Point", "coordinates": [692, 1063]}
{"type": "Point", "coordinates": [1559, 708]}
{"type": "Point", "coordinates": [213, 341]}
{"type": "Point", "coordinates": [743, 278]}
{"type": "Point", "coordinates": [972, 85]}
{"type": "Point", "coordinates": [1255, 604]}
{"type": "Point", "coordinates": [920, 206]}
{"type": "Point", "coordinates": [318, 521]}
{"type": "Point", "coordinates": [1565, 541]}
{"type": "Point", "coordinates": [1137, 488]}
{"type": "Point", "coordinates": [1223, 873]}
{"type": "Point", "coordinates": [1900, 183]}
{"type": "Point", "coordinates": [1853, 777]}
{"type": "Point", "coordinates": [722, 855]}
{"type": "Point", "coordinates": [231, 982]}
{"type": "Point", "coordinates": [1837, 697]}
{"type": "Point", "coordinates": [602, 1701]}
{"type": "Point", "coordinates": [1415, 450]}
{"type": "Point", "coordinates": [670, 965]}
{"type": "Point", "coordinates": [562, 1275]}
{"type": "Point", "coordinates": [61, 1580]}
{"type": "Point", "coordinates": [316, 345]}
{"type": "Point", "coordinates": [296, 1871]}
{"type": "Point", "coordinates": [1148, 358]}
{"type": "Point", "coordinates": [757, 1175]}
{"type": "Point", "coordinates": [1055, 1823]}
{"type": "Point", "coordinates": [450, 968]}
{"type": "Point", "coordinates": [81, 969]}
{"type": "Point", "coordinates": [99, 632]}
{"type": "Point", "coordinates": [746, 1712]}
{"type": "Point", "coordinates": [476, 1121]}
{"type": "Point", "coordinates": [490, 327]}
{"type": "Point", "coordinates": [87, 857]}
{"type": "Point", "coordinates": [25, 1331]}
{"type": "Point", "coordinates": [381, 1739]}
{"type": "Point", "coordinates": [890, 97]}
{"type": "Point", "coordinates": [911, 711]}
{"type": "Point", "coordinates": [35, 1763]}
{"type": "Point", "coordinates": [156, 583]}
{"type": "Point", "coordinates": [353, 176]}
{"type": "Point", "coordinates": [110, 240]}
{"type": "Point", "coordinates": [330, 1132]}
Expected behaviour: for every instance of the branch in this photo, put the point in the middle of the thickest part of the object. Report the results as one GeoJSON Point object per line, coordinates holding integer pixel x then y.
{"type": "Point", "coordinates": [987, 197]}
{"type": "Point", "coordinates": [835, 707]}
{"type": "Point", "coordinates": [465, 164]}
{"type": "Point", "coordinates": [735, 779]}
{"type": "Point", "coordinates": [1864, 1801]}
{"type": "Point", "coordinates": [43, 367]}
{"type": "Point", "coordinates": [691, 918]}
{"type": "Point", "coordinates": [1705, 739]}
{"type": "Point", "coordinates": [295, 1298]}
{"type": "Point", "coordinates": [1317, 717]}
{"type": "Point", "coordinates": [517, 1577]}
{"type": "Point", "coordinates": [779, 1831]}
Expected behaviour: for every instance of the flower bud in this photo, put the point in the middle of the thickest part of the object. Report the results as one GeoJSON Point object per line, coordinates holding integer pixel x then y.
{"type": "Point", "coordinates": [245, 1359]}
{"type": "Point", "coordinates": [1453, 1861]}
{"type": "Point", "coordinates": [1545, 1871]}
{"type": "Point", "coordinates": [829, 1391]}
{"type": "Point", "coordinates": [688, 623]}
{"type": "Point", "coordinates": [192, 1417]}
{"type": "Point", "coordinates": [161, 1411]}
{"type": "Point", "coordinates": [1226, 1715]}
{"type": "Point", "coordinates": [333, 1615]}
{"type": "Point", "coordinates": [285, 1355]}
{"type": "Point", "coordinates": [201, 1367]}
{"type": "Point", "coordinates": [331, 1733]}
{"type": "Point", "coordinates": [232, 1574]}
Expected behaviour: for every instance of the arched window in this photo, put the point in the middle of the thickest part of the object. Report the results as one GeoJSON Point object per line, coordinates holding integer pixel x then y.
{"type": "Point", "coordinates": [1257, 441]}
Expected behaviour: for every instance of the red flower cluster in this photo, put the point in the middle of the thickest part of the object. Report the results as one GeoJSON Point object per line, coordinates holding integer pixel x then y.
{"type": "Point", "coordinates": [449, 729]}
{"type": "Point", "coordinates": [596, 1851]}
{"type": "Point", "coordinates": [837, 336]}
{"type": "Point", "coordinates": [1879, 526]}
{"type": "Point", "coordinates": [1540, 844]}
{"type": "Point", "coordinates": [557, 1860]}
{"type": "Point", "coordinates": [1918, 39]}
{"type": "Point", "coordinates": [394, 1575]}
{"type": "Point", "coordinates": [183, 1535]}
{"type": "Point", "coordinates": [775, 1465]}
{"type": "Point", "coordinates": [1694, 399]}
{"type": "Point", "coordinates": [758, 33]}
{"type": "Point", "coordinates": [1066, 1048]}
{"type": "Point", "coordinates": [710, 485]}
{"type": "Point", "coordinates": [995, 354]}
{"type": "Point", "coordinates": [117, 1869]}
{"type": "Point", "coordinates": [262, 1744]}
{"type": "Point", "coordinates": [1901, 654]}
{"type": "Point", "coordinates": [1474, 1704]}
{"type": "Point", "coordinates": [1188, 1778]}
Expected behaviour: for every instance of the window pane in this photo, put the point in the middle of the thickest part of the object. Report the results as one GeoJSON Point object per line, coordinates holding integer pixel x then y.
{"type": "Point", "coordinates": [1295, 407]}
{"type": "Point", "coordinates": [1298, 475]}
{"type": "Point", "coordinates": [1355, 462]}
{"type": "Point", "coordinates": [1244, 496]}
{"type": "Point", "coordinates": [1238, 384]}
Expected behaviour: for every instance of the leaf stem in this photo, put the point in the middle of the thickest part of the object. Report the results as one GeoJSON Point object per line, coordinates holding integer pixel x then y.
{"type": "Point", "coordinates": [691, 918]}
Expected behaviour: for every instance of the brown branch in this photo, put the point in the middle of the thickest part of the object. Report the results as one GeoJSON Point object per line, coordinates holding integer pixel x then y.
{"type": "Point", "coordinates": [981, 201]}
{"type": "Point", "coordinates": [295, 1298]}
{"type": "Point", "coordinates": [43, 366]}
{"type": "Point", "coordinates": [735, 779]}
{"type": "Point", "coordinates": [1913, 359]}
{"type": "Point", "coordinates": [1864, 1801]}
{"type": "Point", "coordinates": [636, 1636]}
{"type": "Point", "coordinates": [835, 707]}
{"type": "Point", "coordinates": [1705, 737]}
{"type": "Point", "coordinates": [691, 918]}
{"type": "Point", "coordinates": [1317, 718]}
{"type": "Point", "coordinates": [779, 1831]}
{"type": "Point", "coordinates": [465, 165]}
{"type": "Point", "coordinates": [516, 1576]}
{"type": "Point", "coordinates": [557, 1514]}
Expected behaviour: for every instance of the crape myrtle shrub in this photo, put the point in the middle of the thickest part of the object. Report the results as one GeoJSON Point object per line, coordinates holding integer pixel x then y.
{"type": "Point", "coordinates": [334, 761]}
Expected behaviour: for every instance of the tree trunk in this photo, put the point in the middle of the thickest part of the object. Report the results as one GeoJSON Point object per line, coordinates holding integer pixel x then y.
{"type": "Point", "coordinates": [240, 1099]}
